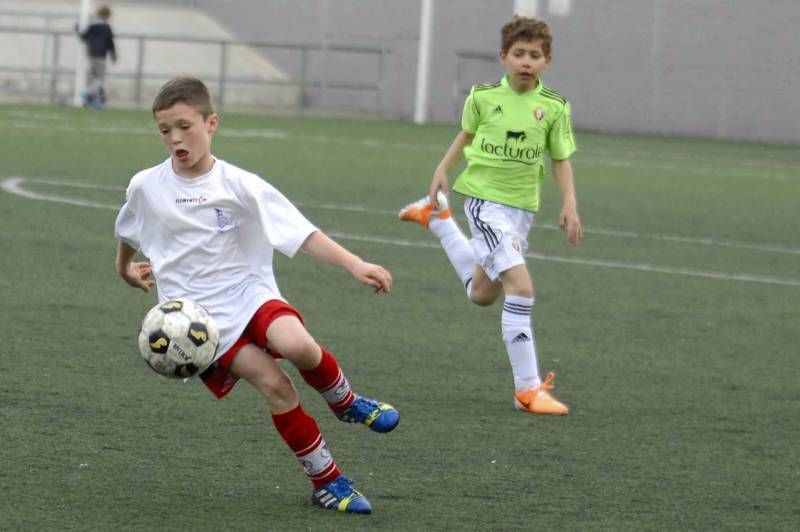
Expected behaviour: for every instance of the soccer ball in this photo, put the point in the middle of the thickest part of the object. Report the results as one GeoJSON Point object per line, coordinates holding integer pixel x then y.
{"type": "Point", "coordinates": [178, 338]}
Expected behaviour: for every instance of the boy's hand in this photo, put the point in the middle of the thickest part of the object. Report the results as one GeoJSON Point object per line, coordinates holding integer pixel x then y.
{"type": "Point", "coordinates": [569, 221]}
{"type": "Point", "coordinates": [439, 182]}
{"type": "Point", "coordinates": [137, 274]}
{"type": "Point", "coordinates": [373, 275]}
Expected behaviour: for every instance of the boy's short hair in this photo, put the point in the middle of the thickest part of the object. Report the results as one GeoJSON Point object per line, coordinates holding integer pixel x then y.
{"type": "Point", "coordinates": [104, 12]}
{"type": "Point", "coordinates": [525, 29]}
{"type": "Point", "coordinates": [190, 91]}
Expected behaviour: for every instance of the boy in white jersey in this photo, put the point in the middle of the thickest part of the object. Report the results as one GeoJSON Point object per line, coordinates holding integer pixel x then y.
{"type": "Point", "coordinates": [209, 230]}
{"type": "Point", "coordinates": [507, 127]}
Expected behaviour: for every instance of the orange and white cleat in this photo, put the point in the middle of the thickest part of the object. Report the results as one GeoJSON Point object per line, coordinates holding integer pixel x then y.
{"type": "Point", "coordinates": [422, 211]}
{"type": "Point", "coordinates": [539, 401]}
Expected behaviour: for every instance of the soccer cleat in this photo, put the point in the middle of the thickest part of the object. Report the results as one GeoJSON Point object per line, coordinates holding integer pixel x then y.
{"type": "Point", "coordinates": [539, 401]}
{"type": "Point", "coordinates": [338, 494]}
{"type": "Point", "coordinates": [378, 416]}
{"type": "Point", "coordinates": [422, 211]}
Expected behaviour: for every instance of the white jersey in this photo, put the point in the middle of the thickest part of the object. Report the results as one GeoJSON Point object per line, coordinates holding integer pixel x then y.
{"type": "Point", "coordinates": [211, 238]}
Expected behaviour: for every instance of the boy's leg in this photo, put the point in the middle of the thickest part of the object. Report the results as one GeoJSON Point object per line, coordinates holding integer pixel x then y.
{"type": "Point", "coordinates": [483, 290]}
{"type": "Point", "coordinates": [329, 380]}
{"type": "Point", "coordinates": [298, 430]}
{"type": "Point", "coordinates": [517, 327]}
{"type": "Point", "coordinates": [93, 76]}
{"type": "Point", "coordinates": [443, 226]}
{"type": "Point", "coordinates": [281, 326]}
{"type": "Point", "coordinates": [516, 321]}
{"type": "Point", "coordinates": [500, 240]}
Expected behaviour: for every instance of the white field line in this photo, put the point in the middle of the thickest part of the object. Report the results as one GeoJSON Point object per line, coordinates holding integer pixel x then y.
{"type": "Point", "coordinates": [706, 241]}
{"type": "Point", "coordinates": [642, 267]}
{"type": "Point", "coordinates": [702, 166]}
{"type": "Point", "coordinates": [13, 186]}
{"type": "Point", "coordinates": [28, 119]}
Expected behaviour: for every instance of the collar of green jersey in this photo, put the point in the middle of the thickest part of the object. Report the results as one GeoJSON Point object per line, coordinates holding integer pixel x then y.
{"type": "Point", "coordinates": [535, 92]}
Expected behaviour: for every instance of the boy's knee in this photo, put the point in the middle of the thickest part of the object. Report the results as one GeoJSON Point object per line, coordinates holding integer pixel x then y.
{"type": "Point", "coordinates": [485, 292]}
{"type": "Point", "coordinates": [483, 299]}
{"type": "Point", "coordinates": [303, 352]}
{"type": "Point", "coordinates": [521, 292]}
{"type": "Point", "coordinates": [277, 388]}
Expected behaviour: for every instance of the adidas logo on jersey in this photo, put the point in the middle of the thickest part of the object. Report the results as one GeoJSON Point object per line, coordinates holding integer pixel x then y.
{"type": "Point", "coordinates": [498, 109]}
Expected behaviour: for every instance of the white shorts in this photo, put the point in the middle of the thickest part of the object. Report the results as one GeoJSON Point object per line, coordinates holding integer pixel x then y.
{"type": "Point", "coordinates": [499, 234]}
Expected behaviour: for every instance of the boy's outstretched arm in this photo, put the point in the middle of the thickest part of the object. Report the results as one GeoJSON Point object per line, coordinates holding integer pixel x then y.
{"type": "Point", "coordinates": [568, 220]}
{"type": "Point", "coordinates": [451, 157]}
{"type": "Point", "coordinates": [323, 248]}
{"type": "Point", "coordinates": [136, 274]}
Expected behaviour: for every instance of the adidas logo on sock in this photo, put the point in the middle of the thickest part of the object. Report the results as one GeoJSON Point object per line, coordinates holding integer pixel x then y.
{"type": "Point", "coordinates": [521, 337]}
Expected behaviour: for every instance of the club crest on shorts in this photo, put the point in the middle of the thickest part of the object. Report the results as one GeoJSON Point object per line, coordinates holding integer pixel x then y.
{"type": "Point", "coordinates": [515, 245]}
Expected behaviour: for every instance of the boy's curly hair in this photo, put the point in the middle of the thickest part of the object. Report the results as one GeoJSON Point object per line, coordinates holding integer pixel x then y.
{"type": "Point", "coordinates": [525, 29]}
{"type": "Point", "coordinates": [190, 91]}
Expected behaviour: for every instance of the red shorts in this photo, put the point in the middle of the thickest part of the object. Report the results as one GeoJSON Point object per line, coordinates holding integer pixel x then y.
{"type": "Point", "coordinates": [218, 377]}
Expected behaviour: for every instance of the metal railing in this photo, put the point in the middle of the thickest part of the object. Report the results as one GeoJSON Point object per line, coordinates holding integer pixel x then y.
{"type": "Point", "coordinates": [54, 69]}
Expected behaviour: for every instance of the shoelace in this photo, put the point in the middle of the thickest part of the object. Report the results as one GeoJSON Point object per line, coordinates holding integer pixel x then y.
{"type": "Point", "coordinates": [341, 487]}
{"type": "Point", "coordinates": [547, 384]}
{"type": "Point", "coordinates": [420, 204]}
{"type": "Point", "coordinates": [362, 408]}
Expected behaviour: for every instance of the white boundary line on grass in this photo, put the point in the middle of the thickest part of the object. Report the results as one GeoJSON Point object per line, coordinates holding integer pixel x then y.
{"type": "Point", "coordinates": [761, 170]}
{"type": "Point", "coordinates": [705, 241]}
{"type": "Point", "coordinates": [13, 185]}
{"type": "Point", "coordinates": [642, 267]}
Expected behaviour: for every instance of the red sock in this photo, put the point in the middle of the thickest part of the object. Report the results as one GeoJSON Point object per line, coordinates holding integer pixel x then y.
{"type": "Point", "coordinates": [329, 380]}
{"type": "Point", "coordinates": [301, 434]}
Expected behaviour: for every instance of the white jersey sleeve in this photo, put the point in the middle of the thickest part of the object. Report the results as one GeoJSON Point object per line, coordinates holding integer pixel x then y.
{"type": "Point", "coordinates": [283, 224]}
{"type": "Point", "coordinates": [128, 226]}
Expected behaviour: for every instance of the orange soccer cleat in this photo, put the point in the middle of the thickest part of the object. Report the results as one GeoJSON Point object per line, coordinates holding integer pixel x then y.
{"type": "Point", "coordinates": [539, 401]}
{"type": "Point", "coordinates": [422, 211]}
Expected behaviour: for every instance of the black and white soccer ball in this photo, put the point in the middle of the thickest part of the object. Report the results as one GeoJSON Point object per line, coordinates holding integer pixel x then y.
{"type": "Point", "coordinates": [178, 338]}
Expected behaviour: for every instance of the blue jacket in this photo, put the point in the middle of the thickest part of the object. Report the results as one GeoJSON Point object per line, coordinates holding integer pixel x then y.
{"type": "Point", "coordinates": [99, 40]}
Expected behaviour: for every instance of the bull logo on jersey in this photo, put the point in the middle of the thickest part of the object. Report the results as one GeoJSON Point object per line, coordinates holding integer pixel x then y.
{"type": "Point", "coordinates": [519, 136]}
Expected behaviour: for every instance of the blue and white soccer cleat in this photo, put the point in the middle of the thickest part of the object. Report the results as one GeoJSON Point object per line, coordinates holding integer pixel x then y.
{"type": "Point", "coordinates": [338, 494]}
{"type": "Point", "coordinates": [378, 416]}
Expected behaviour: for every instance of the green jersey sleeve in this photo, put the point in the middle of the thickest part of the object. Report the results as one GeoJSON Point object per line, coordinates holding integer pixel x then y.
{"type": "Point", "coordinates": [470, 115]}
{"type": "Point", "coordinates": [560, 140]}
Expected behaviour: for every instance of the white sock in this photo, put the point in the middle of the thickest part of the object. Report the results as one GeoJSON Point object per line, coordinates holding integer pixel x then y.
{"type": "Point", "coordinates": [457, 248]}
{"type": "Point", "coordinates": [517, 326]}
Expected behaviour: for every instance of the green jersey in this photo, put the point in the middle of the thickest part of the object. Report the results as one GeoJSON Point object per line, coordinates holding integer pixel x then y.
{"type": "Point", "coordinates": [512, 132]}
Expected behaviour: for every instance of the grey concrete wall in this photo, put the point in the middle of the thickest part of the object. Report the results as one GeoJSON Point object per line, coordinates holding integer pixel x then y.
{"type": "Point", "coordinates": [711, 68]}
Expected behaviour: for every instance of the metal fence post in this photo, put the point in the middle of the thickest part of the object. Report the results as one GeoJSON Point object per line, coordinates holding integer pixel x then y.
{"type": "Point", "coordinates": [381, 81]}
{"type": "Point", "coordinates": [137, 81]}
{"type": "Point", "coordinates": [54, 67]}
{"type": "Point", "coordinates": [223, 74]}
{"type": "Point", "coordinates": [303, 60]}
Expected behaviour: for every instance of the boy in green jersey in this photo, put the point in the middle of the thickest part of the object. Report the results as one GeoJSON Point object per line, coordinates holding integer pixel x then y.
{"type": "Point", "coordinates": [507, 128]}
